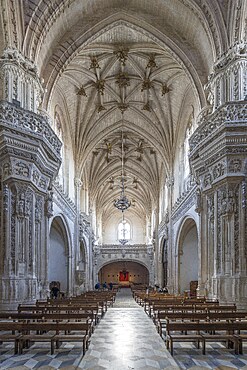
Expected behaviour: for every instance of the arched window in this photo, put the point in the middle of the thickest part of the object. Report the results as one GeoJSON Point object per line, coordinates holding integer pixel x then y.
{"type": "Point", "coordinates": [124, 230]}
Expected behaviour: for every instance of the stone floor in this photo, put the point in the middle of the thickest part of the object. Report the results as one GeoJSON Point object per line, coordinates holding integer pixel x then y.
{"type": "Point", "coordinates": [124, 339]}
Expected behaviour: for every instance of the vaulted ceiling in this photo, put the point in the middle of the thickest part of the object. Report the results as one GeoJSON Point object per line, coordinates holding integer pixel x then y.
{"type": "Point", "coordinates": [124, 70]}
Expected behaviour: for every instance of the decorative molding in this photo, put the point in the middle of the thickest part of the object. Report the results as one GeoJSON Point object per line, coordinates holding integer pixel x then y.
{"type": "Point", "coordinates": [63, 202]}
{"type": "Point", "coordinates": [28, 122]}
{"type": "Point", "coordinates": [227, 114]}
{"type": "Point", "coordinates": [183, 205]}
{"type": "Point", "coordinates": [85, 229]}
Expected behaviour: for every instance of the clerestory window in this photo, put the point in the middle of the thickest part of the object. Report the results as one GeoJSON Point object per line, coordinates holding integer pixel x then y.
{"type": "Point", "coordinates": [124, 230]}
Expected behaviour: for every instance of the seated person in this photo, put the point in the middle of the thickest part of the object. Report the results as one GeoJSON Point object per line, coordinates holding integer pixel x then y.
{"type": "Point", "coordinates": [97, 286]}
{"type": "Point", "coordinates": [55, 291]}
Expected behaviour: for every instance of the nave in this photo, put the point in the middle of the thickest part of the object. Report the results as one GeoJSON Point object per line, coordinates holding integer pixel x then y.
{"type": "Point", "coordinates": [125, 338]}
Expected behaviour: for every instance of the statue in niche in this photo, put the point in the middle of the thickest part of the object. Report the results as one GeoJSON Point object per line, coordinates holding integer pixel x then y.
{"type": "Point", "coordinates": [49, 204]}
{"type": "Point", "coordinates": [231, 204]}
{"type": "Point", "coordinates": [21, 206]}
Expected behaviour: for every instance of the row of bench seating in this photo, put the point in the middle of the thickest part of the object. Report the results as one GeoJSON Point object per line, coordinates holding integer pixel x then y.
{"type": "Point", "coordinates": [203, 331]}
{"type": "Point", "coordinates": [194, 320]}
{"type": "Point", "coordinates": [54, 321]}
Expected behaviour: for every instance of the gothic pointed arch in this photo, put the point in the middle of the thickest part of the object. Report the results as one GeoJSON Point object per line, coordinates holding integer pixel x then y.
{"type": "Point", "coordinates": [59, 253]}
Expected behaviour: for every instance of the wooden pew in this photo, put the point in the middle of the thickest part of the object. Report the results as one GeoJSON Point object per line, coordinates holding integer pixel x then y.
{"type": "Point", "coordinates": [29, 316]}
{"type": "Point", "coordinates": [204, 332]}
{"type": "Point", "coordinates": [11, 333]}
{"type": "Point", "coordinates": [51, 332]}
{"type": "Point", "coordinates": [161, 317]}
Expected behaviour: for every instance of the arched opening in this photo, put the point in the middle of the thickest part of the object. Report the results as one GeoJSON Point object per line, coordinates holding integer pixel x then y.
{"type": "Point", "coordinates": [58, 264]}
{"type": "Point", "coordinates": [124, 273]}
{"type": "Point", "coordinates": [188, 258]}
{"type": "Point", "coordinates": [124, 230]}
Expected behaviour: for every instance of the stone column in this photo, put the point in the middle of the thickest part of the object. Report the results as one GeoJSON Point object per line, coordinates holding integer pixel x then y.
{"type": "Point", "coordinates": [218, 156]}
{"type": "Point", "coordinates": [29, 160]}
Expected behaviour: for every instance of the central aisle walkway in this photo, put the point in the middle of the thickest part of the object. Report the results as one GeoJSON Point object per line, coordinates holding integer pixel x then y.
{"type": "Point", "coordinates": [126, 339]}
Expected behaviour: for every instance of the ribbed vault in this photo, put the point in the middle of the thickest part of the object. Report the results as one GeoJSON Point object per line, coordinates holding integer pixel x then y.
{"type": "Point", "coordinates": [124, 68]}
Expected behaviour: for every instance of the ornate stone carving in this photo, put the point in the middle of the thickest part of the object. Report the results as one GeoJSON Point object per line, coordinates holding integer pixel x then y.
{"type": "Point", "coordinates": [7, 170]}
{"type": "Point", "coordinates": [22, 169]}
{"type": "Point", "coordinates": [20, 79]}
{"type": "Point", "coordinates": [235, 165]}
{"type": "Point", "coordinates": [100, 86]}
{"type": "Point", "coordinates": [38, 209]}
{"type": "Point", "coordinates": [151, 62]}
{"type": "Point", "coordinates": [84, 226]}
{"type": "Point", "coordinates": [122, 79]}
{"type": "Point", "coordinates": [122, 54]}
{"type": "Point", "coordinates": [225, 115]}
{"type": "Point", "coordinates": [29, 122]}
{"type": "Point", "coordinates": [165, 90]}
{"type": "Point", "coordinates": [224, 83]}
{"type": "Point", "coordinates": [198, 201]}
{"type": "Point", "coordinates": [207, 180]}
{"type": "Point", "coordinates": [227, 203]}
{"type": "Point", "coordinates": [211, 211]}
{"type": "Point", "coordinates": [123, 107]}
{"type": "Point", "coordinates": [218, 170]}
{"type": "Point", "coordinates": [183, 205]}
{"type": "Point", "coordinates": [81, 91]}
{"type": "Point", "coordinates": [147, 107]}
{"type": "Point", "coordinates": [49, 204]}
{"type": "Point", "coordinates": [146, 84]}
{"type": "Point", "coordinates": [94, 63]}
{"type": "Point", "coordinates": [64, 203]}
{"type": "Point", "coordinates": [236, 208]}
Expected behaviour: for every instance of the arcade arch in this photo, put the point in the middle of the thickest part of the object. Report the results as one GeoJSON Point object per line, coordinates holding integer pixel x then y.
{"type": "Point", "coordinates": [58, 255]}
{"type": "Point", "coordinates": [188, 263]}
{"type": "Point", "coordinates": [124, 273]}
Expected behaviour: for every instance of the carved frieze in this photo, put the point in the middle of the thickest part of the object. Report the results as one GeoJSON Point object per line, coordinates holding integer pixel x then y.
{"type": "Point", "coordinates": [225, 115]}
{"type": "Point", "coordinates": [235, 165]}
{"type": "Point", "coordinates": [30, 123]}
{"type": "Point", "coordinates": [218, 170]}
{"type": "Point", "coordinates": [139, 252]}
{"type": "Point", "coordinates": [22, 169]}
{"type": "Point", "coordinates": [207, 180]}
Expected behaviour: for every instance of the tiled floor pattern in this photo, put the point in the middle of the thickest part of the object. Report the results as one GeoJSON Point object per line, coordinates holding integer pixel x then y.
{"type": "Point", "coordinates": [124, 339]}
